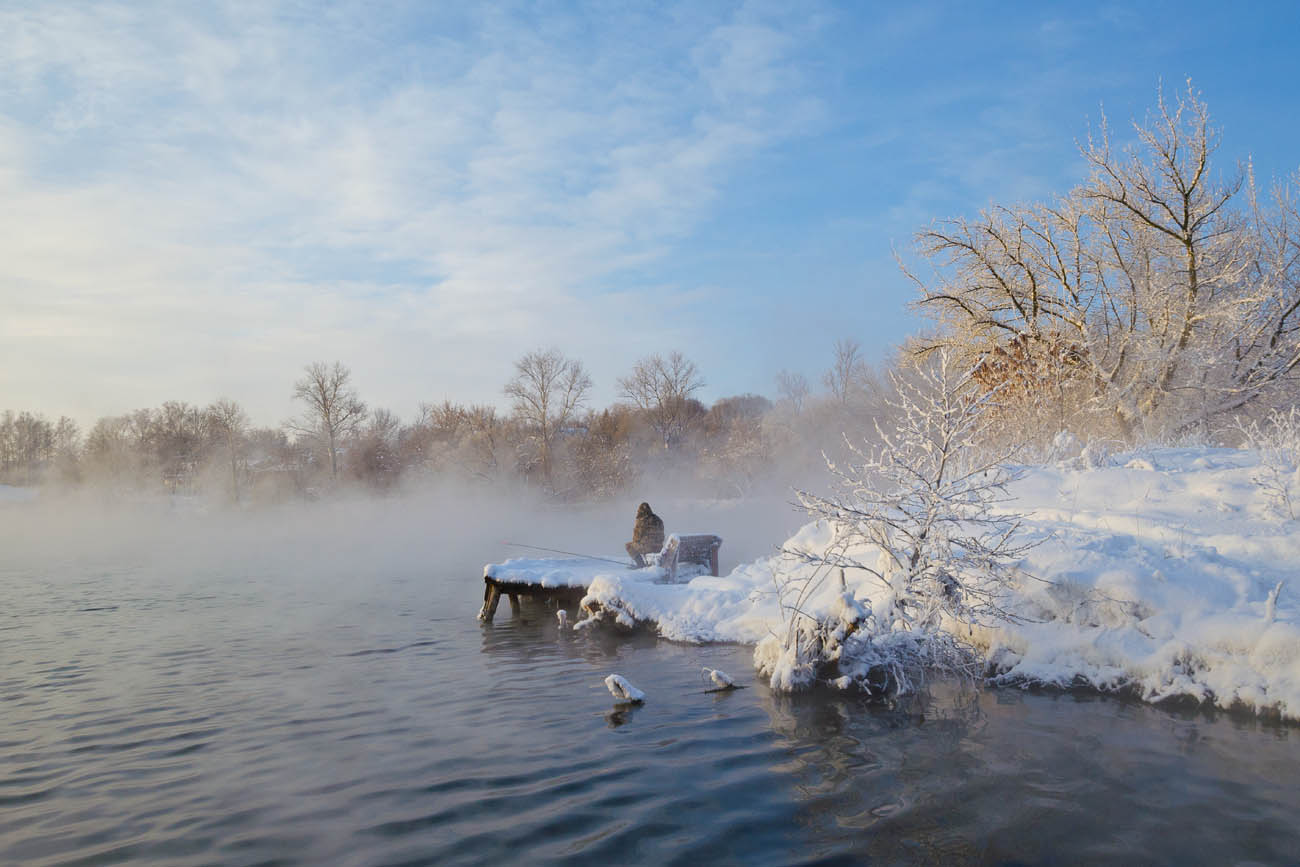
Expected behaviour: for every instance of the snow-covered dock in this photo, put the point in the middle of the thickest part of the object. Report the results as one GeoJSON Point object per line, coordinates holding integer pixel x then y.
{"type": "Point", "coordinates": [566, 580]}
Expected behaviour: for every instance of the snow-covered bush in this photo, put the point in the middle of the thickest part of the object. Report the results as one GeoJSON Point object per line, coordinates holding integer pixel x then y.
{"type": "Point", "coordinates": [918, 515]}
{"type": "Point", "coordinates": [812, 646]}
{"type": "Point", "coordinates": [849, 649]}
{"type": "Point", "coordinates": [1277, 439]}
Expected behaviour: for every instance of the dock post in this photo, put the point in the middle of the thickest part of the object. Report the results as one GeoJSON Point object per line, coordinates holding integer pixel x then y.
{"type": "Point", "coordinates": [514, 604]}
{"type": "Point", "coordinates": [491, 598]}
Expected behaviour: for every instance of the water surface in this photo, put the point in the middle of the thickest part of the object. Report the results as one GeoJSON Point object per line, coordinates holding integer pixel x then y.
{"type": "Point", "coordinates": [261, 714]}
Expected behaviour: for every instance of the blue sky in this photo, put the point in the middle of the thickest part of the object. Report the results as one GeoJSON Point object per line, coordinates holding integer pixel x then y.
{"type": "Point", "coordinates": [197, 203]}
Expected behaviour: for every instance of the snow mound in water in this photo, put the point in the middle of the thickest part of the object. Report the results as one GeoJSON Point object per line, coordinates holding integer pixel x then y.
{"type": "Point", "coordinates": [621, 689]}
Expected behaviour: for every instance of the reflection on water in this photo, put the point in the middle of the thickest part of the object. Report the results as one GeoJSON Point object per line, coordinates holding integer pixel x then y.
{"type": "Point", "coordinates": [219, 717]}
{"type": "Point", "coordinates": [621, 714]}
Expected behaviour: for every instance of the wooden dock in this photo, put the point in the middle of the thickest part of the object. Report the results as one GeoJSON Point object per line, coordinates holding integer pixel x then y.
{"type": "Point", "coordinates": [700, 549]}
{"type": "Point", "coordinates": [494, 589]}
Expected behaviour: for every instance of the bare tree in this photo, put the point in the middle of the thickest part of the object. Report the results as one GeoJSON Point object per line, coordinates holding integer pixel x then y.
{"type": "Point", "coordinates": [375, 459]}
{"type": "Point", "coordinates": [731, 448]}
{"type": "Point", "coordinates": [67, 449]}
{"type": "Point", "coordinates": [849, 372]}
{"type": "Point", "coordinates": [603, 454]}
{"type": "Point", "coordinates": [176, 435]}
{"type": "Point", "coordinates": [27, 446]}
{"type": "Point", "coordinates": [113, 450]}
{"type": "Point", "coordinates": [8, 456]}
{"type": "Point", "coordinates": [446, 419]}
{"type": "Point", "coordinates": [547, 390]}
{"type": "Point", "coordinates": [333, 409]}
{"type": "Point", "coordinates": [662, 388]}
{"type": "Point", "coordinates": [793, 389]}
{"type": "Point", "coordinates": [229, 421]}
{"type": "Point", "coordinates": [485, 439]}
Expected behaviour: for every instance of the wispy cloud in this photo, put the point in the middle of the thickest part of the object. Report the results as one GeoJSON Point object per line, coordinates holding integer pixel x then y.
{"type": "Point", "coordinates": [201, 198]}
{"type": "Point", "coordinates": [202, 203]}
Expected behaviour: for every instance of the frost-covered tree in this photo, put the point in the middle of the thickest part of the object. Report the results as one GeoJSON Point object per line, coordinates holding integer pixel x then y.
{"type": "Point", "coordinates": [547, 389]}
{"type": "Point", "coordinates": [332, 409]}
{"type": "Point", "coordinates": [1157, 295]}
{"type": "Point", "coordinates": [918, 518]}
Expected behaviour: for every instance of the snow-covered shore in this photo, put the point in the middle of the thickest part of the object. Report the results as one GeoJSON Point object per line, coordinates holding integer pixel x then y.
{"type": "Point", "coordinates": [1155, 572]}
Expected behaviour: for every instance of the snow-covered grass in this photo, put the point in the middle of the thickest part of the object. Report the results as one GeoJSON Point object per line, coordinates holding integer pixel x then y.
{"type": "Point", "coordinates": [1277, 439]}
{"type": "Point", "coordinates": [1163, 573]}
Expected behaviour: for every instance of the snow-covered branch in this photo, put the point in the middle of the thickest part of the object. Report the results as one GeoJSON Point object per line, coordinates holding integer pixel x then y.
{"type": "Point", "coordinates": [919, 515]}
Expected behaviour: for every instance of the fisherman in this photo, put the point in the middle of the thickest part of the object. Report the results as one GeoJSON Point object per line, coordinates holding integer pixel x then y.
{"type": "Point", "coordinates": [647, 535]}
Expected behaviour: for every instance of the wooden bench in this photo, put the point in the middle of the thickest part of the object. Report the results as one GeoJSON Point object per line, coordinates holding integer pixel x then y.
{"type": "Point", "coordinates": [700, 549]}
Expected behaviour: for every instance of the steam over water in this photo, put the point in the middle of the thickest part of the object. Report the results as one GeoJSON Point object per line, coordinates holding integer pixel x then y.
{"type": "Point", "coordinates": [313, 688]}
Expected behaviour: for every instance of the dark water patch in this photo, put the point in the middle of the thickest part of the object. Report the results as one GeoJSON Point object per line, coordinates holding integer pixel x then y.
{"type": "Point", "coordinates": [376, 650]}
{"type": "Point", "coordinates": [135, 744]}
{"type": "Point", "coordinates": [10, 799]}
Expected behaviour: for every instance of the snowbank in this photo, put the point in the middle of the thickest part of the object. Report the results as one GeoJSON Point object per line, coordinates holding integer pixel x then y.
{"type": "Point", "coordinates": [1157, 573]}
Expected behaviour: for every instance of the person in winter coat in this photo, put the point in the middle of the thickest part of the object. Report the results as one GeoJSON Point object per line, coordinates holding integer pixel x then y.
{"type": "Point", "coordinates": [647, 535]}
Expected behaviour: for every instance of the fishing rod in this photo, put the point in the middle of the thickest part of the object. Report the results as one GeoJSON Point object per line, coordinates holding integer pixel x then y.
{"type": "Point", "coordinates": [570, 553]}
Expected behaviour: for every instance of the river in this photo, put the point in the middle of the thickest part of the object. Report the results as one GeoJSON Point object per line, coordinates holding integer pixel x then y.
{"type": "Point", "coordinates": [203, 707]}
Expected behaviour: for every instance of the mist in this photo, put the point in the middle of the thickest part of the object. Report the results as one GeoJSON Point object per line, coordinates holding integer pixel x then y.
{"type": "Point", "coordinates": [352, 541]}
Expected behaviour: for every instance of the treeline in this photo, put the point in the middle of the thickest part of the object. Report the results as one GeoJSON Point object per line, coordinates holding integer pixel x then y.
{"type": "Point", "coordinates": [1157, 301]}
{"type": "Point", "coordinates": [658, 435]}
{"type": "Point", "coordinates": [32, 448]}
